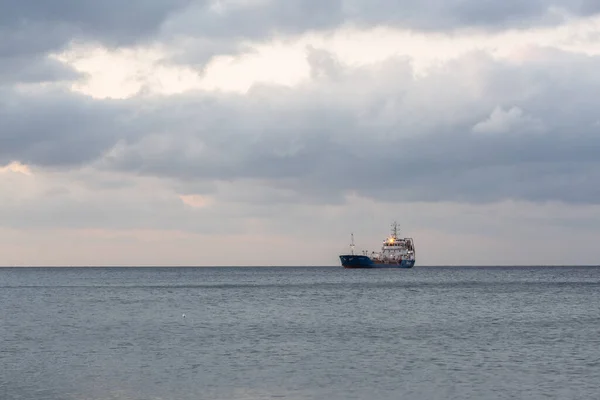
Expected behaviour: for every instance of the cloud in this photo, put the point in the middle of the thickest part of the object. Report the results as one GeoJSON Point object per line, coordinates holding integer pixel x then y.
{"type": "Point", "coordinates": [381, 132]}
{"type": "Point", "coordinates": [147, 224]}
{"type": "Point", "coordinates": [16, 167]}
{"type": "Point", "coordinates": [322, 63]}
{"type": "Point", "coordinates": [31, 30]}
{"type": "Point", "coordinates": [34, 26]}
{"type": "Point", "coordinates": [260, 19]}
{"type": "Point", "coordinates": [78, 199]}
{"type": "Point", "coordinates": [442, 15]}
{"type": "Point", "coordinates": [122, 140]}
{"type": "Point", "coordinates": [195, 200]}
{"type": "Point", "coordinates": [36, 69]}
{"type": "Point", "coordinates": [374, 130]}
{"type": "Point", "coordinates": [203, 29]}
{"type": "Point", "coordinates": [501, 121]}
{"type": "Point", "coordinates": [57, 128]}
{"type": "Point", "coordinates": [110, 23]}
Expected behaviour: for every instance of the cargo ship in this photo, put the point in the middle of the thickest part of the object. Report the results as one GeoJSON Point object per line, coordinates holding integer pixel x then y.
{"type": "Point", "coordinates": [395, 252]}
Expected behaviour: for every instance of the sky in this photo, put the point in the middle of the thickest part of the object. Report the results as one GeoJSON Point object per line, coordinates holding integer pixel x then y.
{"type": "Point", "coordinates": [264, 132]}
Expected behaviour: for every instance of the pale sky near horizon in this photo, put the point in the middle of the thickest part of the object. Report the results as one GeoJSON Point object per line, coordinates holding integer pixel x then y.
{"type": "Point", "coordinates": [264, 132]}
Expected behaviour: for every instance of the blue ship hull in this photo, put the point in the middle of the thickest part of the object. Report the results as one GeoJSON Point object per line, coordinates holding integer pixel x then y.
{"type": "Point", "coordinates": [357, 261]}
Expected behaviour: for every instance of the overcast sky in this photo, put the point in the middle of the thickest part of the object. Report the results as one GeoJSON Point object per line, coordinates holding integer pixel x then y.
{"type": "Point", "coordinates": [264, 132]}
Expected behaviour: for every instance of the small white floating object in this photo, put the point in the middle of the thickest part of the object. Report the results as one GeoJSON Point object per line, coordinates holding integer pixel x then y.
{"type": "Point", "coordinates": [183, 315]}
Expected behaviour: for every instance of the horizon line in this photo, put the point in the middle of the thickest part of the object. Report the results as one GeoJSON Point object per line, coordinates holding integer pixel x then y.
{"type": "Point", "coordinates": [299, 266]}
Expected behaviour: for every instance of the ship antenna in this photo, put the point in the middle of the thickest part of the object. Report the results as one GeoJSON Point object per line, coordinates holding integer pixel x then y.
{"type": "Point", "coordinates": [352, 243]}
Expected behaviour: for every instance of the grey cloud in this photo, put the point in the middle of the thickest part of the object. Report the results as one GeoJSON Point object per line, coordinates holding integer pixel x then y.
{"type": "Point", "coordinates": [258, 19]}
{"type": "Point", "coordinates": [34, 28]}
{"type": "Point", "coordinates": [322, 63]}
{"type": "Point", "coordinates": [101, 211]}
{"type": "Point", "coordinates": [298, 16]}
{"type": "Point", "coordinates": [34, 69]}
{"type": "Point", "coordinates": [376, 131]}
{"type": "Point", "coordinates": [31, 29]}
{"type": "Point", "coordinates": [77, 199]}
{"type": "Point", "coordinates": [58, 22]}
{"type": "Point", "coordinates": [57, 128]}
{"type": "Point", "coordinates": [198, 51]}
{"type": "Point", "coordinates": [31, 39]}
{"type": "Point", "coordinates": [416, 142]}
{"type": "Point", "coordinates": [589, 6]}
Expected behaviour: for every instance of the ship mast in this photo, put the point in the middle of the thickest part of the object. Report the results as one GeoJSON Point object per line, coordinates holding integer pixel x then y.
{"type": "Point", "coordinates": [352, 243]}
{"type": "Point", "coordinates": [395, 230]}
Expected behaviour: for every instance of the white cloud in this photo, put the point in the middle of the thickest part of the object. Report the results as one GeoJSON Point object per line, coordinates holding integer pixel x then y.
{"type": "Point", "coordinates": [123, 73]}
{"type": "Point", "coordinates": [195, 200]}
{"type": "Point", "coordinates": [512, 120]}
{"type": "Point", "coordinates": [16, 167]}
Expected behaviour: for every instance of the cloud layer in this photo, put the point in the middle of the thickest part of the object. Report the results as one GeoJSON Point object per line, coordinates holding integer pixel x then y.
{"type": "Point", "coordinates": [473, 130]}
{"type": "Point", "coordinates": [260, 18]}
{"type": "Point", "coordinates": [34, 28]}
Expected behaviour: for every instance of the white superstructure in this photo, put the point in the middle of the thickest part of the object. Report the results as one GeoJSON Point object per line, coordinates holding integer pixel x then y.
{"type": "Point", "coordinates": [395, 249]}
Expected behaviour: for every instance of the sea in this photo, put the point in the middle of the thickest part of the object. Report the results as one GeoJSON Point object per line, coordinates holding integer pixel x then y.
{"type": "Point", "coordinates": [299, 333]}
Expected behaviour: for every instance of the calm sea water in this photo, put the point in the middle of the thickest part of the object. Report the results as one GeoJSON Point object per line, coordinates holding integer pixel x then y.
{"type": "Point", "coordinates": [299, 333]}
